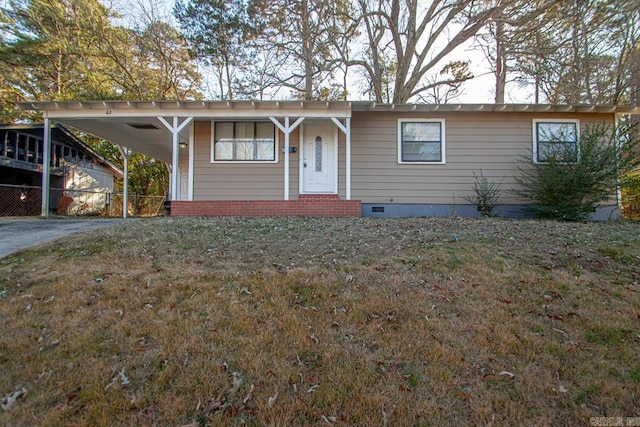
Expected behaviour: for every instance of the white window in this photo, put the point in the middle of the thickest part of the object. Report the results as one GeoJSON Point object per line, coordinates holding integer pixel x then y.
{"type": "Point", "coordinates": [421, 141]}
{"type": "Point", "coordinates": [244, 142]}
{"type": "Point", "coordinates": [555, 139]}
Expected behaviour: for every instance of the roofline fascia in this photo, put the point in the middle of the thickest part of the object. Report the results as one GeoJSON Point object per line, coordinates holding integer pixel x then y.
{"type": "Point", "coordinates": [310, 109]}
{"type": "Point", "coordinates": [488, 108]}
{"type": "Point", "coordinates": [248, 109]}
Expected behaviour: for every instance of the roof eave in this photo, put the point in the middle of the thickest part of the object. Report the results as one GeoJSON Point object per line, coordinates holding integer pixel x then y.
{"type": "Point", "coordinates": [508, 108]}
{"type": "Point", "coordinates": [307, 108]}
{"type": "Point", "coordinates": [65, 109]}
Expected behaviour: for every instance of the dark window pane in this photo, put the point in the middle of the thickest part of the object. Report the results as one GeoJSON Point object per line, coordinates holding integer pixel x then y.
{"type": "Point", "coordinates": [421, 142]}
{"type": "Point", "coordinates": [558, 140]}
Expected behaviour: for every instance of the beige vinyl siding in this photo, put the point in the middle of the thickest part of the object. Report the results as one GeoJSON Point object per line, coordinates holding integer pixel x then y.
{"type": "Point", "coordinates": [492, 142]}
{"type": "Point", "coordinates": [238, 181]}
{"type": "Point", "coordinates": [342, 164]}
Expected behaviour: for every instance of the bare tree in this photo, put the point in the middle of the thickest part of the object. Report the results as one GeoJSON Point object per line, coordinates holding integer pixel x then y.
{"type": "Point", "coordinates": [217, 32]}
{"type": "Point", "coordinates": [507, 37]}
{"type": "Point", "coordinates": [301, 36]}
{"type": "Point", "coordinates": [586, 52]}
{"type": "Point", "coordinates": [407, 42]}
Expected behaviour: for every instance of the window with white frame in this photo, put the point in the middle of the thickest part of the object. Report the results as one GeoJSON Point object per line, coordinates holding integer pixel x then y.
{"type": "Point", "coordinates": [421, 141]}
{"type": "Point", "coordinates": [557, 139]}
{"type": "Point", "coordinates": [244, 142]}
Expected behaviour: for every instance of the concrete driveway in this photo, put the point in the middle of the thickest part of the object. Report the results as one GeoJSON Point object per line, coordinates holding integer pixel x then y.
{"type": "Point", "coordinates": [20, 233]}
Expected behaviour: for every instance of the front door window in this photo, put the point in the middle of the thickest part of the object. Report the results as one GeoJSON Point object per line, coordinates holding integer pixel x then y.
{"type": "Point", "coordinates": [318, 154]}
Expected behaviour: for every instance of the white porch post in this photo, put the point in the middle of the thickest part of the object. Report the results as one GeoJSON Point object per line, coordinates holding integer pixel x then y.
{"type": "Point", "coordinates": [46, 167]}
{"type": "Point", "coordinates": [286, 159]}
{"type": "Point", "coordinates": [286, 129]}
{"type": "Point", "coordinates": [175, 147]}
{"type": "Point", "coordinates": [348, 160]}
{"type": "Point", "coordinates": [346, 128]}
{"type": "Point", "coordinates": [191, 162]}
{"type": "Point", "coordinates": [126, 153]}
{"type": "Point", "coordinates": [175, 160]}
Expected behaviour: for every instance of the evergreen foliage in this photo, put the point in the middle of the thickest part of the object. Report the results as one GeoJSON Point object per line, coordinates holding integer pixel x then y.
{"type": "Point", "coordinates": [571, 191]}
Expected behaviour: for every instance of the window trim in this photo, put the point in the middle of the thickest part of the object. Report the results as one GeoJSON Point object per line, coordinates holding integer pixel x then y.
{"type": "Point", "coordinates": [534, 134]}
{"type": "Point", "coordinates": [236, 162]}
{"type": "Point", "coordinates": [443, 143]}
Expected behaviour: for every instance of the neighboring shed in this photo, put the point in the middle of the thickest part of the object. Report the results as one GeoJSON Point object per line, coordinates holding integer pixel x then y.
{"type": "Point", "coordinates": [312, 158]}
{"type": "Point", "coordinates": [80, 177]}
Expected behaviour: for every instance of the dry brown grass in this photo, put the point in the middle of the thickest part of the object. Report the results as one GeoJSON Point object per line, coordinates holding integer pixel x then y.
{"type": "Point", "coordinates": [335, 321]}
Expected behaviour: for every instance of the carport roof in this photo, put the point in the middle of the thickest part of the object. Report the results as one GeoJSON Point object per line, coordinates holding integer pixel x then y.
{"type": "Point", "coordinates": [136, 124]}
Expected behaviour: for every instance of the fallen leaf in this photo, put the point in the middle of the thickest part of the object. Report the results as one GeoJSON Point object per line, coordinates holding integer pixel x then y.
{"type": "Point", "coordinates": [272, 400]}
{"type": "Point", "coordinates": [123, 378]}
{"type": "Point", "coordinates": [9, 399]}
{"type": "Point", "coordinates": [246, 399]}
{"type": "Point", "coordinates": [329, 420]}
{"type": "Point", "coordinates": [560, 389]}
{"type": "Point", "coordinates": [120, 376]}
{"type": "Point", "coordinates": [507, 373]}
{"type": "Point", "coordinates": [237, 382]}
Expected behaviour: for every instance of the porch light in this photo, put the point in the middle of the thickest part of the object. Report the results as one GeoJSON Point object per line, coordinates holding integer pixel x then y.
{"type": "Point", "coordinates": [183, 144]}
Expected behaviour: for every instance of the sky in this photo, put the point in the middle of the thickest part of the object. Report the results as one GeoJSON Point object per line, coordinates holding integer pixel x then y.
{"type": "Point", "coordinates": [480, 89]}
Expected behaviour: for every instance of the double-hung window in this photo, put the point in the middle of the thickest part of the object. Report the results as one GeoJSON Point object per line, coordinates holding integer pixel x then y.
{"type": "Point", "coordinates": [244, 142]}
{"type": "Point", "coordinates": [421, 141]}
{"type": "Point", "coordinates": [555, 139]}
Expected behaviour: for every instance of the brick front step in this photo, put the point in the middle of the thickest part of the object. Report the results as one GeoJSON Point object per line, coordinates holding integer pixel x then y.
{"type": "Point", "coordinates": [309, 205]}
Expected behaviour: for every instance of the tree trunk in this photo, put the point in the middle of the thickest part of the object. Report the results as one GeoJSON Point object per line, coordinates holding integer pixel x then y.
{"type": "Point", "coordinates": [307, 50]}
{"type": "Point", "coordinates": [501, 63]}
{"type": "Point", "coordinates": [227, 67]}
{"type": "Point", "coordinates": [576, 69]}
{"type": "Point", "coordinates": [221, 83]}
{"type": "Point", "coordinates": [59, 72]}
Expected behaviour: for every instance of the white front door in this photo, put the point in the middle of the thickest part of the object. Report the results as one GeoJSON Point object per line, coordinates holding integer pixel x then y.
{"type": "Point", "coordinates": [319, 159]}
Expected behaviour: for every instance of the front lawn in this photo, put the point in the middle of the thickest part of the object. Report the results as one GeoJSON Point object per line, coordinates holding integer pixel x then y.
{"type": "Point", "coordinates": [323, 321]}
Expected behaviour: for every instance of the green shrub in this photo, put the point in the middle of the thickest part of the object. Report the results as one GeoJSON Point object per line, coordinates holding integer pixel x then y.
{"type": "Point", "coordinates": [486, 194]}
{"type": "Point", "coordinates": [571, 191]}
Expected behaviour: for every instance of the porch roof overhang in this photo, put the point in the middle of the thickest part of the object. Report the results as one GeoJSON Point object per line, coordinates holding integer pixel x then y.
{"type": "Point", "coordinates": [136, 124]}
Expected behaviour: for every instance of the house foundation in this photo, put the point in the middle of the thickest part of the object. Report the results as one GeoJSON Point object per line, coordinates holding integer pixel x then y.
{"type": "Point", "coordinates": [316, 205]}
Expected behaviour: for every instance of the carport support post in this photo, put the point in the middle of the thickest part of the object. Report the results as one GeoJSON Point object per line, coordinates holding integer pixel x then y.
{"type": "Point", "coordinates": [175, 129]}
{"type": "Point", "coordinates": [46, 167]}
{"type": "Point", "coordinates": [126, 153]}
